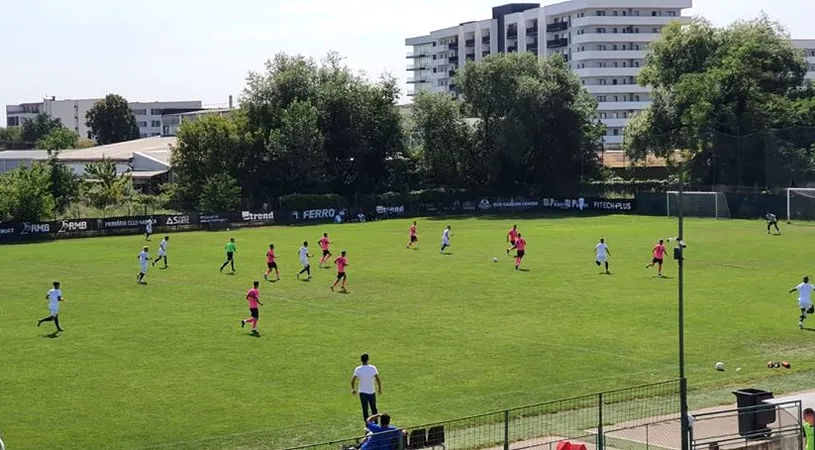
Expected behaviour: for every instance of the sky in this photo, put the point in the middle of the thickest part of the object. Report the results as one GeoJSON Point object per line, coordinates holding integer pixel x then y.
{"type": "Point", "coordinates": [151, 50]}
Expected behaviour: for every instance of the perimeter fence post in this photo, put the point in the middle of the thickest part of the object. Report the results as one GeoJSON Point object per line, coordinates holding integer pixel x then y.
{"type": "Point", "coordinates": [600, 437]}
{"type": "Point", "coordinates": [506, 429]}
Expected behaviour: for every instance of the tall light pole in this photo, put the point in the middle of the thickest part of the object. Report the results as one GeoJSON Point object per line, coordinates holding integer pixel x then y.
{"type": "Point", "coordinates": [680, 258]}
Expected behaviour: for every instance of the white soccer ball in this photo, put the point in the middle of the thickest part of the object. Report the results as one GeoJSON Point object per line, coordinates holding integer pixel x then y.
{"type": "Point", "coordinates": [720, 366]}
{"type": "Point", "coordinates": [494, 259]}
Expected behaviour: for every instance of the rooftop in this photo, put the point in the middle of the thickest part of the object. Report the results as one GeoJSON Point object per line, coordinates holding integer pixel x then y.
{"type": "Point", "coordinates": [23, 154]}
{"type": "Point", "coordinates": [155, 147]}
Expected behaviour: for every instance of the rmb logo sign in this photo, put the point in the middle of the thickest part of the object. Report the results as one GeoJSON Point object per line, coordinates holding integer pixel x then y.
{"type": "Point", "coordinates": [67, 226]}
{"type": "Point", "coordinates": [36, 228]}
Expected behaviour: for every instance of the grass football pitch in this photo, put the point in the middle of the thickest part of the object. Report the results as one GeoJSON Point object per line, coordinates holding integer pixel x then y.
{"type": "Point", "coordinates": [167, 365]}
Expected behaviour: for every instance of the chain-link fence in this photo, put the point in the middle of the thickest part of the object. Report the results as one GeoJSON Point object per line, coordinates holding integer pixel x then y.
{"type": "Point", "coordinates": [589, 419]}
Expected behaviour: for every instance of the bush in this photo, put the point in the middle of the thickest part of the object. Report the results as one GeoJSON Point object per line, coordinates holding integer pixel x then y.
{"type": "Point", "coordinates": [220, 193]}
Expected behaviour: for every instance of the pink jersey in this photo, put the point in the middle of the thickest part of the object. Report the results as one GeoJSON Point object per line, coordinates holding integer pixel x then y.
{"type": "Point", "coordinates": [324, 243]}
{"type": "Point", "coordinates": [252, 296]}
{"type": "Point", "coordinates": [659, 251]}
{"type": "Point", "coordinates": [270, 256]}
{"type": "Point", "coordinates": [413, 230]}
{"type": "Point", "coordinates": [520, 244]}
{"type": "Point", "coordinates": [513, 234]}
{"type": "Point", "coordinates": [341, 262]}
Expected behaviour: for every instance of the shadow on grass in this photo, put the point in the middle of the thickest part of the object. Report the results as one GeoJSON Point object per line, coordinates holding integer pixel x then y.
{"type": "Point", "coordinates": [254, 335]}
{"type": "Point", "coordinates": [53, 335]}
{"type": "Point", "coordinates": [523, 270]}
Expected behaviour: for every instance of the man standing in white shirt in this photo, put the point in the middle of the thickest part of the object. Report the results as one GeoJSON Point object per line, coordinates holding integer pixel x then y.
{"type": "Point", "coordinates": [445, 239]}
{"type": "Point", "coordinates": [148, 229]}
{"type": "Point", "coordinates": [369, 386]}
{"type": "Point", "coordinates": [304, 256]}
{"type": "Point", "coordinates": [162, 251]}
{"type": "Point", "coordinates": [144, 258]}
{"type": "Point", "coordinates": [54, 296]}
{"type": "Point", "coordinates": [601, 254]}
{"type": "Point", "coordinates": [804, 300]}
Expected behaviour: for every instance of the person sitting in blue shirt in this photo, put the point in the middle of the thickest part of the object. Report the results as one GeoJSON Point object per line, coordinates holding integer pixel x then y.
{"type": "Point", "coordinates": [383, 435]}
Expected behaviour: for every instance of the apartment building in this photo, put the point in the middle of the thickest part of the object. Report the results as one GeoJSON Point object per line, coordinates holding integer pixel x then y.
{"type": "Point", "coordinates": [808, 46]}
{"type": "Point", "coordinates": [72, 113]}
{"type": "Point", "coordinates": [604, 41]}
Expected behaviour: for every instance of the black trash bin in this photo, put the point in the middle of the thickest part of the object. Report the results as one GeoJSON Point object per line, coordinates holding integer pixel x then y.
{"type": "Point", "coordinates": [754, 413]}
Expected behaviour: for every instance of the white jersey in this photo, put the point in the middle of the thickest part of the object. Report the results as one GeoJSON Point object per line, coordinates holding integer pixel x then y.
{"type": "Point", "coordinates": [445, 236]}
{"type": "Point", "coordinates": [601, 250]}
{"type": "Point", "coordinates": [143, 258]}
{"type": "Point", "coordinates": [805, 294]}
{"type": "Point", "coordinates": [303, 255]}
{"type": "Point", "coordinates": [162, 247]}
{"type": "Point", "coordinates": [148, 227]}
{"type": "Point", "coordinates": [53, 299]}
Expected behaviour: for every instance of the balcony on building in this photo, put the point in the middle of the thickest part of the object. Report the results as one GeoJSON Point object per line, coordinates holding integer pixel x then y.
{"type": "Point", "coordinates": [417, 80]}
{"type": "Point", "coordinates": [532, 30]}
{"type": "Point", "coordinates": [557, 43]}
{"type": "Point", "coordinates": [512, 33]}
{"type": "Point", "coordinates": [485, 40]}
{"type": "Point", "coordinates": [451, 73]}
{"type": "Point", "coordinates": [469, 42]}
{"type": "Point", "coordinates": [453, 59]}
{"type": "Point", "coordinates": [485, 53]}
{"type": "Point", "coordinates": [556, 26]}
{"type": "Point", "coordinates": [469, 57]}
{"type": "Point", "coordinates": [512, 49]}
{"type": "Point", "coordinates": [453, 45]}
{"type": "Point", "coordinates": [419, 54]}
{"type": "Point", "coordinates": [416, 66]}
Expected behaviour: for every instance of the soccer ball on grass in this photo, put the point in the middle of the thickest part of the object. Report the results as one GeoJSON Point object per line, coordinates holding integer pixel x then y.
{"type": "Point", "coordinates": [494, 259]}
{"type": "Point", "coordinates": [720, 366]}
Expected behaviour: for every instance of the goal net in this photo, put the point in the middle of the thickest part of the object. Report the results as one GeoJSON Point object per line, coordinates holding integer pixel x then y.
{"type": "Point", "coordinates": [699, 204]}
{"type": "Point", "coordinates": [800, 204]}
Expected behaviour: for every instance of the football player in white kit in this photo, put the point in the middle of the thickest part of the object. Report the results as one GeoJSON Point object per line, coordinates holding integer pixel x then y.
{"type": "Point", "coordinates": [804, 300]}
{"type": "Point", "coordinates": [54, 296]}
{"type": "Point", "coordinates": [445, 239]}
{"type": "Point", "coordinates": [148, 229]}
{"type": "Point", "coordinates": [162, 251]}
{"type": "Point", "coordinates": [304, 256]}
{"type": "Point", "coordinates": [144, 258]}
{"type": "Point", "coordinates": [601, 254]}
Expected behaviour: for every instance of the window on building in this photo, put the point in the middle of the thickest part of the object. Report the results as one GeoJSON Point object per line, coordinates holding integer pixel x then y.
{"type": "Point", "coordinates": [614, 47]}
{"type": "Point", "coordinates": [636, 13]}
{"type": "Point", "coordinates": [636, 46]}
{"type": "Point", "coordinates": [602, 48]}
{"type": "Point", "coordinates": [142, 124]}
{"type": "Point", "coordinates": [625, 64]}
{"type": "Point", "coordinates": [614, 64]}
{"type": "Point", "coordinates": [653, 13]}
{"type": "Point", "coordinates": [155, 112]}
{"type": "Point", "coordinates": [624, 48]}
{"type": "Point", "coordinates": [600, 13]}
{"type": "Point", "coordinates": [139, 112]}
{"type": "Point", "coordinates": [13, 121]}
{"type": "Point", "coordinates": [655, 30]}
{"type": "Point", "coordinates": [672, 13]}
{"type": "Point", "coordinates": [602, 116]}
{"type": "Point", "coordinates": [155, 123]}
{"type": "Point", "coordinates": [616, 132]}
{"type": "Point", "coordinates": [614, 30]}
{"type": "Point", "coordinates": [614, 82]}
{"type": "Point", "coordinates": [614, 13]}
{"type": "Point", "coordinates": [625, 115]}
{"type": "Point", "coordinates": [624, 13]}
{"type": "Point", "coordinates": [601, 30]}
{"type": "Point", "coordinates": [636, 63]}
{"type": "Point", "coordinates": [602, 82]}
{"type": "Point", "coordinates": [636, 98]}
{"type": "Point", "coordinates": [601, 98]}
{"type": "Point", "coordinates": [625, 98]}
{"type": "Point", "coordinates": [616, 99]}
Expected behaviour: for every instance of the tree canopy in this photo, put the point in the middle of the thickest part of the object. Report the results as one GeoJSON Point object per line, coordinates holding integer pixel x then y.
{"type": "Point", "coordinates": [734, 98]}
{"type": "Point", "coordinates": [111, 120]}
{"type": "Point", "coordinates": [32, 130]}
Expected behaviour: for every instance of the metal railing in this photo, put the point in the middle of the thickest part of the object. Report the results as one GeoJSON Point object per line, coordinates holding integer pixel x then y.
{"type": "Point", "coordinates": [724, 429]}
{"type": "Point", "coordinates": [589, 419]}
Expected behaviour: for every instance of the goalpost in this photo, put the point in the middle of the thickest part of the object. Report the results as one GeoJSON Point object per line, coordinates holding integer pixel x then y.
{"type": "Point", "coordinates": [800, 204]}
{"type": "Point", "coordinates": [698, 203]}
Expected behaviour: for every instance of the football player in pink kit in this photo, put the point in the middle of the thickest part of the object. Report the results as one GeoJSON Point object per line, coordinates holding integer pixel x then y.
{"type": "Point", "coordinates": [253, 297]}
{"type": "Point", "coordinates": [414, 238]}
{"type": "Point", "coordinates": [341, 263]}
{"type": "Point", "coordinates": [520, 249]}
{"type": "Point", "coordinates": [271, 264]}
{"type": "Point", "coordinates": [324, 243]}
{"type": "Point", "coordinates": [659, 257]}
{"type": "Point", "coordinates": [512, 236]}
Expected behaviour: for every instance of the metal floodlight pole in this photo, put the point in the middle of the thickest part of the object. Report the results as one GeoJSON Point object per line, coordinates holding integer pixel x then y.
{"type": "Point", "coordinates": [680, 258]}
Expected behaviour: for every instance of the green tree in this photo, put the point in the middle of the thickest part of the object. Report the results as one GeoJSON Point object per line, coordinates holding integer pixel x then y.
{"type": "Point", "coordinates": [58, 139]}
{"type": "Point", "coordinates": [25, 195]}
{"type": "Point", "coordinates": [105, 186]}
{"type": "Point", "coordinates": [734, 97]}
{"type": "Point", "coordinates": [32, 130]}
{"type": "Point", "coordinates": [535, 122]}
{"type": "Point", "coordinates": [111, 120]}
{"type": "Point", "coordinates": [448, 155]}
{"type": "Point", "coordinates": [65, 186]}
{"type": "Point", "coordinates": [220, 193]}
{"type": "Point", "coordinates": [211, 146]}
{"type": "Point", "coordinates": [11, 138]}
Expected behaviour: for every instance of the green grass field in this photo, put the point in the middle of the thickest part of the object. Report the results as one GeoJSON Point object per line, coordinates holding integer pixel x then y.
{"type": "Point", "coordinates": [167, 365]}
